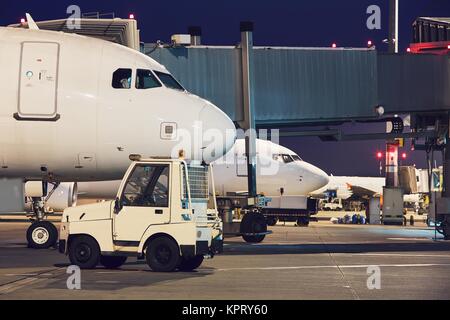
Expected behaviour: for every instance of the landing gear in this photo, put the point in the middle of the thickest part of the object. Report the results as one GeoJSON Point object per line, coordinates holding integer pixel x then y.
{"type": "Point", "coordinates": [252, 225]}
{"type": "Point", "coordinates": [42, 235]}
{"type": "Point", "coordinates": [444, 227]}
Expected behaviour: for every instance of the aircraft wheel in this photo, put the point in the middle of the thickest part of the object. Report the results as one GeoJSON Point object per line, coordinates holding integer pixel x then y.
{"type": "Point", "coordinates": [253, 223]}
{"type": "Point", "coordinates": [42, 235]}
{"type": "Point", "coordinates": [445, 227]}
{"type": "Point", "coordinates": [162, 254]}
{"type": "Point", "coordinates": [271, 221]}
{"type": "Point", "coordinates": [302, 222]}
{"type": "Point", "coordinates": [189, 264]}
{"type": "Point", "coordinates": [84, 252]}
{"type": "Point", "coordinates": [112, 262]}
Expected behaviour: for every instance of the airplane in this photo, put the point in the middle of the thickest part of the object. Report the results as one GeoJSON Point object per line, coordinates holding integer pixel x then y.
{"type": "Point", "coordinates": [351, 188]}
{"type": "Point", "coordinates": [74, 108]}
{"type": "Point", "coordinates": [282, 176]}
{"type": "Point", "coordinates": [360, 189]}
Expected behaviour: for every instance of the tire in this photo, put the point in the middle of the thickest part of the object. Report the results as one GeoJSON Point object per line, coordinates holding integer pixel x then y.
{"type": "Point", "coordinates": [253, 223]}
{"type": "Point", "coordinates": [42, 235]}
{"type": "Point", "coordinates": [445, 227]}
{"type": "Point", "coordinates": [162, 255]}
{"type": "Point", "coordinates": [271, 221]}
{"type": "Point", "coordinates": [189, 264]}
{"type": "Point", "coordinates": [112, 262]}
{"type": "Point", "coordinates": [84, 252]}
{"type": "Point", "coordinates": [302, 222]}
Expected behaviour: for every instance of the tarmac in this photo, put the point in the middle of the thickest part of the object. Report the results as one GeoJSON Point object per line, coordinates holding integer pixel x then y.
{"type": "Point", "coordinates": [322, 261]}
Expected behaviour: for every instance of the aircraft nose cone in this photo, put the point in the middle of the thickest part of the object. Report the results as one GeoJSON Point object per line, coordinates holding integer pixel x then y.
{"type": "Point", "coordinates": [219, 132]}
{"type": "Point", "coordinates": [317, 178]}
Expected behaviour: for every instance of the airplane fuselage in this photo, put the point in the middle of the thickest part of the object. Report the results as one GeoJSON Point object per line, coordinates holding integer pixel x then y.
{"type": "Point", "coordinates": [72, 109]}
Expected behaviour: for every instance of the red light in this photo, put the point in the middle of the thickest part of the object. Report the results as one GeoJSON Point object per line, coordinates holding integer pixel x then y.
{"type": "Point", "coordinates": [408, 50]}
{"type": "Point", "coordinates": [379, 155]}
{"type": "Point", "coordinates": [448, 47]}
{"type": "Point", "coordinates": [369, 43]}
{"type": "Point", "coordinates": [404, 155]}
{"type": "Point", "coordinates": [334, 45]}
{"type": "Point", "coordinates": [22, 20]}
{"type": "Point", "coordinates": [131, 16]}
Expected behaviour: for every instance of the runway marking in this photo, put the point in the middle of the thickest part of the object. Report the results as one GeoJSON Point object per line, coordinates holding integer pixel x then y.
{"type": "Point", "coordinates": [106, 282]}
{"type": "Point", "coordinates": [409, 239]}
{"type": "Point", "coordinates": [35, 278]}
{"type": "Point", "coordinates": [27, 274]}
{"type": "Point", "coordinates": [402, 255]}
{"type": "Point", "coordinates": [409, 265]}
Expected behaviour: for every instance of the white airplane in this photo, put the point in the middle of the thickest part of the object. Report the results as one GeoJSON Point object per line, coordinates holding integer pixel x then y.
{"type": "Point", "coordinates": [346, 187]}
{"type": "Point", "coordinates": [358, 189]}
{"type": "Point", "coordinates": [281, 176]}
{"type": "Point", "coordinates": [74, 108]}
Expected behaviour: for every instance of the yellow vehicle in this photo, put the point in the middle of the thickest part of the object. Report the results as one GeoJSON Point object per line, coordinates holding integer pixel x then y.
{"type": "Point", "coordinates": [164, 212]}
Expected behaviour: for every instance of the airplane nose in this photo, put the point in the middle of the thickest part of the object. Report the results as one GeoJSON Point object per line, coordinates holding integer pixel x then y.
{"type": "Point", "coordinates": [218, 130]}
{"type": "Point", "coordinates": [317, 177]}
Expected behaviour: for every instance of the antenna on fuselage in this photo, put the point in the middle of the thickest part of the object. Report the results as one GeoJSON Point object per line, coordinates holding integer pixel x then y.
{"type": "Point", "coordinates": [31, 24]}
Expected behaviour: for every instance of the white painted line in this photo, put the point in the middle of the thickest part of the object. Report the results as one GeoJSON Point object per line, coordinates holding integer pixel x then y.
{"type": "Point", "coordinates": [409, 239]}
{"type": "Point", "coordinates": [402, 255]}
{"type": "Point", "coordinates": [365, 266]}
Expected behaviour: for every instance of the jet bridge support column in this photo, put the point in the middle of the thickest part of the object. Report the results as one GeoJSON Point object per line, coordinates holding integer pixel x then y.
{"type": "Point", "coordinates": [392, 193]}
{"type": "Point", "coordinates": [443, 203]}
{"type": "Point", "coordinates": [248, 104]}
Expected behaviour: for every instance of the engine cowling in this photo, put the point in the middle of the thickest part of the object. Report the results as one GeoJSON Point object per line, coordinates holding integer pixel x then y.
{"type": "Point", "coordinates": [65, 195]}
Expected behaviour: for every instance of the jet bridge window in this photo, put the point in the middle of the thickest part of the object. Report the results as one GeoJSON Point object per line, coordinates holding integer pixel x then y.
{"type": "Point", "coordinates": [147, 186]}
{"type": "Point", "coordinates": [122, 79]}
{"type": "Point", "coordinates": [146, 80]}
{"type": "Point", "coordinates": [169, 81]}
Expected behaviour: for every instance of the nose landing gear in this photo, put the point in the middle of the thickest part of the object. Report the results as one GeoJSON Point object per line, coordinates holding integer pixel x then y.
{"type": "Point", "coordinates": [41, 234]}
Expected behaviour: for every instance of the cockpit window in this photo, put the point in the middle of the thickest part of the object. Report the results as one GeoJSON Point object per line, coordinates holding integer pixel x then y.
{"type": "Point", "coordinates": [169, 81]}
{"type": "Point", "coordinates": [296, 157]}
{"type": "Point", "coordinates": [146, 80]}
{"type": "Point", "coordinates": [121, 79]}
{"type": "Point", "coordinates": [287, 158]}
{"type": "Point", "coordinates": [283, 157]}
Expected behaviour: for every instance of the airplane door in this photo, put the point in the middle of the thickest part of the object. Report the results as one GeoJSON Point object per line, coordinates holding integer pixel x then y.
{"type": "Point", "coordinates": [145, 201]}
{"type": "Point", "coordinates": [38, 81]}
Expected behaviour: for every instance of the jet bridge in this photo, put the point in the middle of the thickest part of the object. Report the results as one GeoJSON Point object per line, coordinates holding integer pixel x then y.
{"type": "Point", "coordinates": [293, 87]}
{"type": "Point", "coordinates": [121, 31]}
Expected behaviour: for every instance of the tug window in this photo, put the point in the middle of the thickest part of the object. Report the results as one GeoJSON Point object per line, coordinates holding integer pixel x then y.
{"type": "Point", "coordinates": [121, 79]}
{"type": "Point", "coordinates": [148, 186]}
{"type": "Point", "coordinates": [146, 80]}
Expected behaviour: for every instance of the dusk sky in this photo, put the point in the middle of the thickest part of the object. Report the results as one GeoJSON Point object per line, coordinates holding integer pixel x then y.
{"type": "Point", "coordinates": [277, 22]}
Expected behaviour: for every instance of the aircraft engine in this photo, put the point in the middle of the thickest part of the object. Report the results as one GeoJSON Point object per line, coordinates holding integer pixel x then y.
{"type": "Point", "coordinates": [65, 195]}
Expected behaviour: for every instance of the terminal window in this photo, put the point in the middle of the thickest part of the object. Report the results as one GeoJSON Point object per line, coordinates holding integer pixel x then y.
{"type": "Point", "coordinates": [121, 79]}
